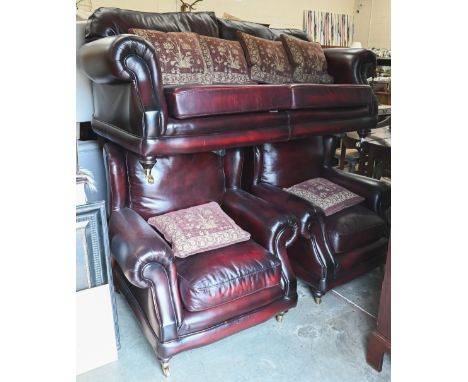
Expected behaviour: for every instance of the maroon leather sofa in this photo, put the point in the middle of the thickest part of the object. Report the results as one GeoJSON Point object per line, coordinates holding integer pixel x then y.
{"type": "Point", "coordinates": [183, 303]}
{"type": "Point", "coordinates": [135, 110]}
{"type": "Point", "coordinates": [330, 250]}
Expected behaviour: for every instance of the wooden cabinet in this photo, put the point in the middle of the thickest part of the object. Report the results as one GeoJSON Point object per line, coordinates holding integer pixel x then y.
{"type": "Point", "coordinates": [380, 338]}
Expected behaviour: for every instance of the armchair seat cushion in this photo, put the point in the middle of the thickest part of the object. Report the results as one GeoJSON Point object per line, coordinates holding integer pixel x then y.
{"type": "Point", "coordinates": [204, 100]}
{"type": "Point", "coordinates": [327, 96]}
{"type": "Point", "coordinates": [222, 275]}
{"type": "Point", "coordinates": [353, 228]}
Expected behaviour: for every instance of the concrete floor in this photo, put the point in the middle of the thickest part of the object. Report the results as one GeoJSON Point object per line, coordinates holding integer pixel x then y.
{"type": "Point", "coordinates": [325, 343]}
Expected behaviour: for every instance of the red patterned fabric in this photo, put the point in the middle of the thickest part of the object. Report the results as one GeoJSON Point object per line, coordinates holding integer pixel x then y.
{"type": "Point", "coordinates": [225, 60]}
{"type": "Point", "coordinates": [266, 59]}
{"type": "Point", "coordinates": [307, 60]}
{"type": "Point", "coordinates": [179, 56]}
{"type": "Point", "coordinates": [198, 229]}
{"type": "Point", "coordinates": [328, 196]}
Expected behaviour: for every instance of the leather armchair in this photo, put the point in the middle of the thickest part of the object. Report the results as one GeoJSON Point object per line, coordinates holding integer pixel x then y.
{"type": "Point", "coordinates": [248, 282]}
{"type": "Point", "coordinates": [331, 249]}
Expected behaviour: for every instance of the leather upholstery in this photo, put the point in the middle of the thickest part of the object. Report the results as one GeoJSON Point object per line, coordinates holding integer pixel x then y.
{"type": "Point", "coordinates": [131, 107]}
{"type": "Point", "coordinates": [352, 228]}
{"type": "Point", "coordinates": [222, 275]}
{"type": "Point", "coordinates": [113, 21]}
{"type": "Point", "coordinates": [246, 283]}
{"type": "Point", "coordinates": [320, 96]}
{"type": "Point", "coordinates": [201, 100]}
{"type": "Point", "coordinates": [331, 249]}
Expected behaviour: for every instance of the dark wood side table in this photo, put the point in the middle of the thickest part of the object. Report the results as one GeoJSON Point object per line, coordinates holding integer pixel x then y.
{"type": "Point", "coordinates": [380, 338]}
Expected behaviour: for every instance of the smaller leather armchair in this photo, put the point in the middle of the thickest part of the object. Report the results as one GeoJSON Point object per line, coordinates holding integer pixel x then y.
{"type": "Point", "coordinates": [331, 250]}
{"type": "Point", "coordinates": [184, 303]}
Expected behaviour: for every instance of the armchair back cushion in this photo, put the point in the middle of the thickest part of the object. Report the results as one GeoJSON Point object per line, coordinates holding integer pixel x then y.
{"type": "Point", "coordinates": [177, 184]}
{"type": "Point", "coordinates": [288, 163]}
{"type": "Point", "coordinates": [179, 56]}
{"type": "Point", "coordinates": [198, 229]}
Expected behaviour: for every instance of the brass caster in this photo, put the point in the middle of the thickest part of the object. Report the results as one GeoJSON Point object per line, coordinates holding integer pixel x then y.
{"type": "Point", "coordinates": [279, 317]}
{"type": "Point", "coordinates": [148, 176]}
{"type": "Point", "coordinates": [165, 368]}
{"type": "Point", "coordinates": [317, 299]}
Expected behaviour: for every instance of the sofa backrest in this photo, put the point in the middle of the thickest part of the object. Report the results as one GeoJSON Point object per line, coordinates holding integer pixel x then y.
{"type": "Point", "coordinates": [113, 21]}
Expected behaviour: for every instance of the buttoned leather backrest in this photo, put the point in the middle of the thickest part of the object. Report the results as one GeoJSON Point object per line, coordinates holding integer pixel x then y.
{"type": "Point", "coordinates": [113, 21]}
{"type": "Point", "coordinates": [287, 163]}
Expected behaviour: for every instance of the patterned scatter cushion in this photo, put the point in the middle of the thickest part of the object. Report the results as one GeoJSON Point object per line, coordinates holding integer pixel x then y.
{"type": "Point", "coordinates": [225, 60]}
{"type": "Point", "coordinates": [266, 59]}
{"type": "Point", "coordinates": [179, 56]}
{"type": "Point", "coordinates": [198, 229]}
{"type": "Point", "coordinates": [307, 60]}
{"type": "Point", "coordinates": [328, 196]}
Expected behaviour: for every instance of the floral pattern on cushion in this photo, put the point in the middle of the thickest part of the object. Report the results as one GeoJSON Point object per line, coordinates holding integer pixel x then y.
{"type": "Point", "coordinates": [328, 196]}
{"type": "Point", "coordinates": [307, 59]}
{"type": "Point", "coordinates": [225, 60]}
{"type": "Point", "coordinates": [267, 60]}
{"type": "Point", "coordinates": [179, 56]}
{"type": "Point", "coordinates": [198, 229]}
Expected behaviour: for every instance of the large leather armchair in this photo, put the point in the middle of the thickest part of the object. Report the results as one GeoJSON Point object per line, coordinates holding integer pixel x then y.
{"type": "Point", "coordinates": [248, 282]}
{"type": "Point", "coordinates": [331, 249]}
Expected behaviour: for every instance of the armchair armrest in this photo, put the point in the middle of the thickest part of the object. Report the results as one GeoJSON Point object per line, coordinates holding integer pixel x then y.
{"type": "Point", "coordinates": [268, 226]}
{"type": "Point", "coordinates": [305, 212]}
{"type": "Point", "coordinates": [124, 68]}
{"type": "Point", "coordinates": [376, 193]}
{"type": "Point", "coordinates": [147, 261]}
{"type": "Point", "coordinates": [350, 66]}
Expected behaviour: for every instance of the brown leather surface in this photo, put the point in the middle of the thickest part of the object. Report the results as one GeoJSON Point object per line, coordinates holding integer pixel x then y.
{"type": "Point", "coordinates": [113, 21]}
{"type": "Point", "coordinates": [216, 277]}
{"type": "Point", "coordinates": [350, 66]}
{"type": "Point", "coordinates": [190, 101]}
{"type": "Point", "coordinates": [145, 268]}
{"type": "Point", "coordinates": [330, 250]}
{"type": "Point", "coordinates": [353, 227]}
{"type": "Point", "coordinates": [178, 184]}
{"type": "Point", "coordinates": [328, 96]}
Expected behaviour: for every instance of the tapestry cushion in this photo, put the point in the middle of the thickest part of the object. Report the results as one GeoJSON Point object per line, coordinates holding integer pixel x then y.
{"type": "Point", "coordinates": [267, 60]}
{"type": "Point", "coordinates": [225, 60]}
{"type": "Point", "coordinates": [307, 60]}
{"type": "Point", "coordinates": [198, 229]}
{"type": "Point", "coordinates": [179, 56]}
{"type": "Point", "coordinates": [326, 195]}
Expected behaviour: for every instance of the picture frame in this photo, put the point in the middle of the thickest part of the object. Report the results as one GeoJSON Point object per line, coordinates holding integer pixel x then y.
{"type": "Point", "coordinates": [93, 264]}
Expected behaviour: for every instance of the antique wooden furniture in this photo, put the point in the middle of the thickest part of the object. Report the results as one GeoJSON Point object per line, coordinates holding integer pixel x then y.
{"type": "Point", "coordinates": [380, 338]}
{"type": "Point", "coordinates": [331, 249]}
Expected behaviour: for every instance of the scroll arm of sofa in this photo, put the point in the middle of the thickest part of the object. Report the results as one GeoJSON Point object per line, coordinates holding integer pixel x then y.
{"type": "Point", "coordinates": [350, 66]}
{"type": "Point", "coordinates": [124, 59]}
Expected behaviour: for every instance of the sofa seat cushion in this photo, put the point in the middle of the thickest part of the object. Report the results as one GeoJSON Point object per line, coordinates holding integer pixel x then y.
{"type": "Point", "coordinates": [218, 276]}
{"type": "Point", "coordinates": [353, 228]}
{"type": "Point", "coordinates": [326, 96]}
{"type": "Point", "coordinates": [204, 100]}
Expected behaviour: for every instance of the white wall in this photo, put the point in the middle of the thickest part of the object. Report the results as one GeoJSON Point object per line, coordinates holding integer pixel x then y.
{"type": "Point", "coordinates": [372, 25]}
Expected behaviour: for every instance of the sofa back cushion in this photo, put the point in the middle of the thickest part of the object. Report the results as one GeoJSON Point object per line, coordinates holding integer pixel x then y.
{"type": "Point", "coordinates": [180, 181]}
{"type": "Point", "coordinates": [285, 164]}
{"type": "Point", "coordinates": [225, 60]}
{"type": "Point", "coordinates": [228, 28]}
{"type": "Point", "coordinates": [179, 56]}
{"type": "Point", "coordinates": [307, 60]}
{"type": "Point", "coordinates": [267, 60]}
{"type": "Point", "coordinates": [113, 21]}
